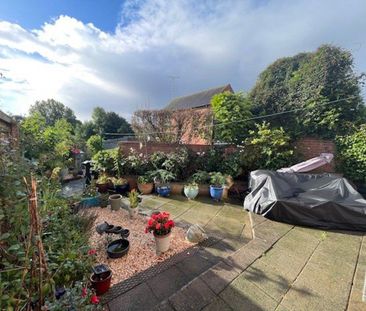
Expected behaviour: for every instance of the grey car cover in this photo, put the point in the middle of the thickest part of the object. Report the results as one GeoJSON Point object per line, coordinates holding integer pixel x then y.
{"type": "Point", "coordinates": [324, 201]}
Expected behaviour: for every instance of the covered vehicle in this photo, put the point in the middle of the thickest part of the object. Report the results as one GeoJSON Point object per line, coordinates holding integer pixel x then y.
{"type": "Point", "coordinates": [324, 201]}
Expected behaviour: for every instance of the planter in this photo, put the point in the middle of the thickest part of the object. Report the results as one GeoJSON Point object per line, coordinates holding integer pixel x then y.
{"type": "Point", "coordinates": [216, 192]}
{"type": "Point", "coordinates": [118, 248]}
{"type": "Point", "coordinates": [145, 188]}
{"type": "Point", "coordinates": [133, 211]}
{"type": "Point", "coordinates": [132, 181]}
{"type": "Point", "coordinates": [121, 189]}
{"type": "Point", "coordinates": [162, 242]}
{"type": "Point", "coordinates": [204, 190]}
{"type": "Point", "coordinates": [102, 188]}
{"type": "Point", "coordinates": [163, 191]}
{"type": "Point", "coordinates": [225, 193]}
{"type": "Point", "coordinates": [90, 202]}
{"type": "Point", "coordinates": [191, 192]}
{"type": "Point", "coordinates": [176, 188]}
{"type": "Point", "coordinates": [115, 200]}
{"type": "Point", "coordinates": [102, 283]}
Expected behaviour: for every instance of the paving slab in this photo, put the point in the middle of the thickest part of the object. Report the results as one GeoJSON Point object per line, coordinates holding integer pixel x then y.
{"type": "Point", "coordinates": [168, 282]}
{"type": "Point", "coordinates": [217, 305]}
{"type": "Point", "coordinates": [195, 296]}
{"type": "Point", "coordinates": [201, 215]}
{"type": "Point", "coordinates": [219, 276]}
{"type": "Point", "coordinates": [195, 265]}
{"type": "Point", "coordinates": [242, 294]}
{"type": "Point", "coordinates": [139, 298]}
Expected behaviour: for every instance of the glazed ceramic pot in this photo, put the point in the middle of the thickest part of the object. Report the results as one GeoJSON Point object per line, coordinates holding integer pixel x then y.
{"type": "Point", "coordinates": [216, 192]}
{"type": "Point", "coordinates": [133, 211]}
{"type": "Point", "coordinates": [163, 191]}
{"type": "Point", "coordinates": [101, 284]}
{"type": "Point", "coordinates": [145, 188]}
{"type": "Point", "coordinates": [115, 200]}
{"type": "Point", "coordinates": [162, 242]}
{"type": "Point", "coordinates": [191, 192]}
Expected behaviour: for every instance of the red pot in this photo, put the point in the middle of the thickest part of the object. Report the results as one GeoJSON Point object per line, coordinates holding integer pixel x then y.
{"type": "Point", "coordinates": [101, 286]}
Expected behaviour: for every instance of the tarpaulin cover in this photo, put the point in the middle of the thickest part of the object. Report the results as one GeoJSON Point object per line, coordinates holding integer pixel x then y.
{"type": "Point", "coordinates": [318, 200]}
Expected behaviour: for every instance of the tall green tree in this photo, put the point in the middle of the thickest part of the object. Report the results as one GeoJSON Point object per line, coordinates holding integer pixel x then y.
{"type": "Point", "coordinates": [230, 110]}
{"type": "Point", "coordinates": [52, 111]}
{"type": "Point", "coordinates": [316, 83]}
{"type": "Point", "coordinates": [109, 122]}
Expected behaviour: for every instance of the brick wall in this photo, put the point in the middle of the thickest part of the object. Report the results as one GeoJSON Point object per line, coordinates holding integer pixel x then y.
{"type": "Point", "coordinates": [310, 147]}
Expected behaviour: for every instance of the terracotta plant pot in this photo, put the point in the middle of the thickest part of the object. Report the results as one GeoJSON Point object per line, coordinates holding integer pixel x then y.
{"type": "Point", "coordinates": [102, 285]}
{"type": "Point", "coordinates": [115, 200]}
{"type": "Point", "coordinates": [162, 242]}
{"type": "Point", "coordinates": [204, 190]}
{"type": "Point", "coordinates": [145, 188]}
{"type": "Point", "coordinates": [176, 188]}
{"type": "Point", "coordinates": [132, 181]}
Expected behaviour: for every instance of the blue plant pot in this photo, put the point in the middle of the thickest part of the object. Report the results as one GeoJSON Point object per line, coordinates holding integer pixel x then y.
{"type": "Point", "coordinates": [90, 202]}
{"type": "Point", "coordinates": [163, 191]}
{"type": "Point", "coordinates": [216, 192]}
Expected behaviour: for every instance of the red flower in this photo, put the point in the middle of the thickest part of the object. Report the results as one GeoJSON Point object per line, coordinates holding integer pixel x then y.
{"type": "Point", "coordinates": [84, 292]}
{"type": "Point", "coordinates": [146, 230]}
{"type": "Point", "coordinates": [165, 215]}
{"type": "Point", "coordinates": [92, 252]}
{"type": "Point", "coordinates": [170, 223]}
{"type": "Point", "coordinates": [158, 226]}
{"type": "Point", "coordinates": [94, 299]}
{"type": "Point", "coordinates": [151, 222]}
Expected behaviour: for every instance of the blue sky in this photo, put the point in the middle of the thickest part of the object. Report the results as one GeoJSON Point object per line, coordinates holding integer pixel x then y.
{"type": "Point", "coordinates": [120, 54]}
{"type": "Point", "coordinates": [33, 14]}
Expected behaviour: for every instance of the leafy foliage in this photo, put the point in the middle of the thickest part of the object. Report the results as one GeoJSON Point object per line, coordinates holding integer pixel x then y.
{"type": "Point", "coordinates": [267, 148]}
{"type": "Point", "coordinates": [352, 154]}
{"type": "Point", "coordinates": [217, 179]}
{"type": "Point", "coordinates": [310, 81]}
{"type": "Point", "coordinates": [53, 111]}
{"type": "Point", "coordinates": [235, 108]}
{"type": "Point", "coordinates": [109, 122]}
{"type": "Point", "coordinates": [95, 144]}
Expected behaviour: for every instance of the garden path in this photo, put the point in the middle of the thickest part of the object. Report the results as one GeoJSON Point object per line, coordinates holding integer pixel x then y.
{"type": "Point", "coordinates": [283, 267]}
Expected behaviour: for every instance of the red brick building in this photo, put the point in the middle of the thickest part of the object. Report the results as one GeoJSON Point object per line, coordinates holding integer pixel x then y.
{"type": "Point", "coordinates": [201, 103]}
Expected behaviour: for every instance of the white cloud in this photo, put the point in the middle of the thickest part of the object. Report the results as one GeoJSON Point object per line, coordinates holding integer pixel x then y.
{"type": "Point", "coordinates": [205, 43]}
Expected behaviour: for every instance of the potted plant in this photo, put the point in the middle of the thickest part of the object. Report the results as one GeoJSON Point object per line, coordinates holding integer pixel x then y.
{"type": "Point", "coordinates": [102, 183]}
{"type": "Point", "coordinates": [90, 197]}
{"type": "Point", "coordinates": [191, 190]}
{"type": "Point", "coordinates": [104, 197]}
{"type": "Point", "coordinates": [116, 200]}
{"type": "Point", "coordinates": [217, 182]}
{"type": "Point", "coordinates": [202, 178]}
{"type": "Point", "coordinates": [133, 209]}
{"type": "Point", "coordinates": [161, 225]}
{"type": "Point", "coordinates": [145, 183]}
{"type": "Point", "coordinates": [120, 185]}
{"type": "Point", "coordinates": [161, 180]}
{"type": "Point", "coordinates": [101, 279]}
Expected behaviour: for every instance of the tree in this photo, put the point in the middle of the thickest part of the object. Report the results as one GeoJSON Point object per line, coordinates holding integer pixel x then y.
{"type": "Point", "coordinates": [322, 84]}
{"type": "Point", "coordinates": [171, 126]}
{"type": "Point", "coordinates": [229, 112]}
{"type": "Point", "coordinates": [85, 130]}
{"type": "Point", "coordinates": [53, 111]}
{"type": "Point", "coordinates": [109, 122]}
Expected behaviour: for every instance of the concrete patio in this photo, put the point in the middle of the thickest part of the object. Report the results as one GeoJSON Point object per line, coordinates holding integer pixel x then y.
{"type": "Point", "coordinates": [250, 263]}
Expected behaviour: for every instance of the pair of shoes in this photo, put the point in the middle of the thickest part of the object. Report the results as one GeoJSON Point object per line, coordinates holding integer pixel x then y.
{"type": "Point", "coordinates": [104, 227]}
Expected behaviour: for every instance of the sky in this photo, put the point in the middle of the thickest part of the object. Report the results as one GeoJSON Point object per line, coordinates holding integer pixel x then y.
{"type": "Point", "coordinates": [138, 54]}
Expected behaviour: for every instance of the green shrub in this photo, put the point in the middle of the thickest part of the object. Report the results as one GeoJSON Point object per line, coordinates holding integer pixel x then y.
{"type": "Point", "coordinates": [94, 144]}
{"type": "Point", "coordinates": [108, 161]}
{"type": "Point", "coordinates": [267, 148]}
{"type": "Point", "coordinates": [351, 152]}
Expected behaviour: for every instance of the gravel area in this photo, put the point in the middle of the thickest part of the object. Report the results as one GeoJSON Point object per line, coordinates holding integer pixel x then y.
{"type": "Point", "coordinates": [142, 254]}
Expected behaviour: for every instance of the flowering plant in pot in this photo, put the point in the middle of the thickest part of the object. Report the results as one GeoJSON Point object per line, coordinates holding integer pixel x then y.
{"type": "Point", "coordinates": [90, 197]}
{"type": "Point", "coordinates": [191, 190]}
{"type": "Point", "coordinates": [102, 183]}
{"type": "Point", "coordinates": [145, 183]}
{"type": "Point", "coordinates": [133, 209]}
{"type": "Point", "coordinates": [217, 182]}
{"type": "Point", "coordinates": [161, 225]}
{"type": "Point", "coordinates": [161, 180]}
